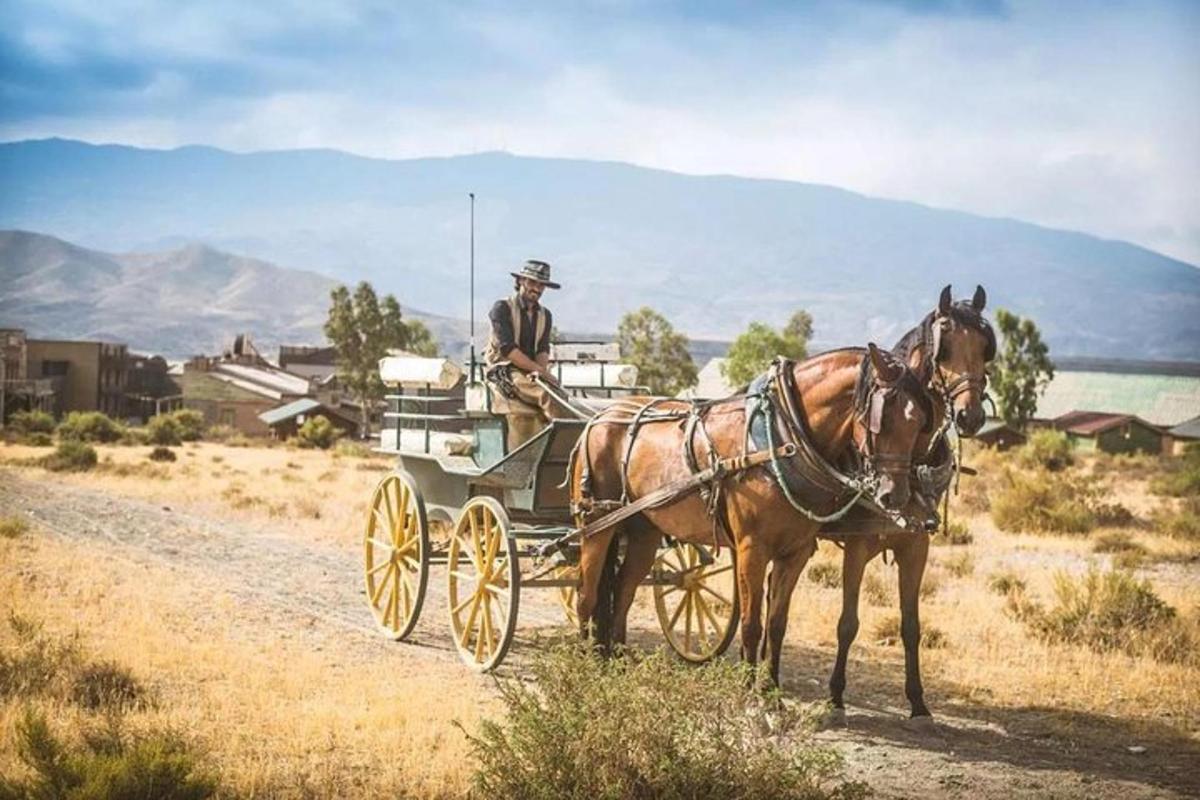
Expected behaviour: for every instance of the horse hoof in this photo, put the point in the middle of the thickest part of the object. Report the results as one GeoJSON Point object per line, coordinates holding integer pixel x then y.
{"type": "Point", "coordinates": [837, 718]}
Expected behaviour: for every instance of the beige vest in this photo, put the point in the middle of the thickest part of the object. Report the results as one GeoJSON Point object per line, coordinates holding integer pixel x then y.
{"type": "Point", "coordinates": [491, 355]}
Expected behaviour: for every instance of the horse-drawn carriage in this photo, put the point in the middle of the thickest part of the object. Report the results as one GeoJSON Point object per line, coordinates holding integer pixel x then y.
{"type": "Point", "coordinates": [459, 499]}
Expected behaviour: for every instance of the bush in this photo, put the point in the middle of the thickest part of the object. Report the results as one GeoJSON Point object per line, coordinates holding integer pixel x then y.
{"type": "Point", "coordinates": [1183, 523]}
{"type": "Point", "coordinates": [162, 454]}
{"type": "Point", "coordinates": [876, 590]}
{"type": "Point", "coordinates": [38, 439]}
{"type": "Point", "coordinates": [960, 565]}
{"type": "Point", "coordinates": [826, 573]}
{"type": "Point", "coordinates": [1006, 583]}
{"type": "Point", "coordinates": [1044, 502]}
{"type": "Point", "coordinates": [1103, 611]}
{"type": "Point", "coordinates": [1116, 542]}
{"type": "Point", "coordinates": [136, 437]}
{"type": "Point", "coordinates": [1048, 449]}
{"type": "Point", "coordinates": [190, 423]}
{"type": "Point", "coordinates": [12, 527]}
{"type": "Point", "coordinates": [89, 426]}
{"type": "Point", "coordinates": [1182, 478]}
{"type": "Point", "coordinates": [70, 456]}
{"type": "Point", "coordinates": [27, 422]}
{"type": "Point", "coordinates": [220, 433]}
{"type": "Point", "coordinates": [163, 430]}
{"type": "Point", "coordinates": [588, 727]}
{"type": "Point", "coordinates": [106, 764]}
{"type": "Point", "coordinates": [887, 633]}
{"type": "Point", "coordinates": [352, 449]}
{"type": "Point", "coordinates": [317, 432]}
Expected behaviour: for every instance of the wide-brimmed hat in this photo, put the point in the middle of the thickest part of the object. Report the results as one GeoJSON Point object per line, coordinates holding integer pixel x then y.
{"type": "Point", "coordinates": [538, 271]}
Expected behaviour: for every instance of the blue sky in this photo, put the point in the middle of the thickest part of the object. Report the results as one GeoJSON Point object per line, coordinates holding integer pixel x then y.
{"type": "Point", "coordinates": [1076, 115]}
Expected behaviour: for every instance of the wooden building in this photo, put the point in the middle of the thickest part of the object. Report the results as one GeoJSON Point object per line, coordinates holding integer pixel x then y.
{"type": "Point", "coordinates": [1096, 431]}
{"type": "Point", "coordinates": [286, 420]}
{"type": "Point", "coordinates": [999, 434]}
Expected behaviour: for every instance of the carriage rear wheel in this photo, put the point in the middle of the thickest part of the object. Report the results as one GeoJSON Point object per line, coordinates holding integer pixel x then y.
{"type": "Point", "coordinates": [396, 552]}
{"type": "Point", "coordinates": [484, 576]}
{"type": "Point", "coordinates": [695, 597]}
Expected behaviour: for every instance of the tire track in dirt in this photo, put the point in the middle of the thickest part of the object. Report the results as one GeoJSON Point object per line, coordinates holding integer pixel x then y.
{"type": "Point", "coordinates": [310, 588]}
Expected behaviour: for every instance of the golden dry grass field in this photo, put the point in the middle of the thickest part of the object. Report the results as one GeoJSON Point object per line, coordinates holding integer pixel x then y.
{"type": "Point", "coordinates": [227, 582]}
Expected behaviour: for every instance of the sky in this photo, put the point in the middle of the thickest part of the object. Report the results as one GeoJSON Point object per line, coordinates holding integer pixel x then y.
{"type": "Point", "coordinates": [1077, 115]}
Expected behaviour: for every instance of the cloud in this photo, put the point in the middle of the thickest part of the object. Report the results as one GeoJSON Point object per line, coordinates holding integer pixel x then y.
{"type": "Point", "coordinates": [1072, 115]}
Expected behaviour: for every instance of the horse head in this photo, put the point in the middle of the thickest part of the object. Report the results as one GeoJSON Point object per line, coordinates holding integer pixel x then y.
{"type": "Point", "coordinates": [892, 409]}
{"type": "Point", "coordinates": [960, 343]}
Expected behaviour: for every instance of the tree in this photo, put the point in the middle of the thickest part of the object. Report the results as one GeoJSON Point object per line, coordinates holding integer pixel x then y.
{"type": "Point", "coordinates": [649, 342]}
{"type": "Point", "coordinates": [751, 352]}
{"type": "Point", "coordinates": [363, 330]}
{"type": "Point", "coordinates": [1022, 370]}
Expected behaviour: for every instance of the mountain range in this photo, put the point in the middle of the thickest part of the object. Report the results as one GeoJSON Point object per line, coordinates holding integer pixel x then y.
{"type": "Point", "coordinates": [713, 253]}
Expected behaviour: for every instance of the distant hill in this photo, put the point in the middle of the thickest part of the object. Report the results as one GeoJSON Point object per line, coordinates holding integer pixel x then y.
{"type": "Point", "coordinates": [178, 302]}
{"type": "Point", "coordinates": [712, 253]}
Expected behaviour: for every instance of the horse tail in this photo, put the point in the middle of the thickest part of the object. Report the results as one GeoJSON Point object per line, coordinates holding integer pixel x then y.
{"type": "Point", "coordinates": [606, 597]}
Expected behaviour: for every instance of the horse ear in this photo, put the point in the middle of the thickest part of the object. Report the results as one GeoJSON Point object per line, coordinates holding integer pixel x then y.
{"type": "Point", "coordinates": [980, 299]}
{"type": "Point", "coordinates": [944, 301]}
{"type": "Point", "coordinates": [887, 371]}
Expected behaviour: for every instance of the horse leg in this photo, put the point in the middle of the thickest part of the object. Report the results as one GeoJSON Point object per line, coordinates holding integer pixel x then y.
{"type": "Point", "coordinates": [784, 574]}
{"type": "Point", "coordinates": [593, 605]}
{"type": "Point", "coordinates": [911, 558]}
{"type": "Point", "coordinates": [857, 552]}
{"type": "Point", "coordinates": [751, 569]}
{"type": "Point", "coordinates": [641, 548]}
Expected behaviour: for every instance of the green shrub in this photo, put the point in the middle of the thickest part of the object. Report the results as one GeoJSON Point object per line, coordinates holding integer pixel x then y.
{"type": "Point", "coordinates": [587, 727]}
{"type": "Point", "coordinates": [317, 432]}
{"type": "Point", "coordinates": [89, 426]}
{"type": "Point", "coordinates": [38, 439]}
{"type": "Point", "coordinates": [1044, 502]}
{"type": "Point", "coordinates": [162, 454]}
{"type": "Point", "coordinates": [1006, 583]}
{"type": "Point", "coordinates": [135, 437]}
{"type": "Point", "coordinates": [27, 422]}
{"type": "Point", "coordinates": [70, 456]}
{"type": "Point", "coordinates": [220, 433]}
{"type": "Point", "coordinates": [12, 527]}
{"type": "Point", "coordinates": [1046, 448]}
{"type": "Point", "coordinates": [190, 423]}
{"type": "Point", "coordinates": [1183, 523]}
{"type": "Point", "coordinates": [163, 430]}
{"type": "Point", "coordinates": [1182, 478]}
{"type": "Point", "coordinates": [352, 449]}
{"type": "Point", "coordinates": [107, 763]}
{"type": "Point", "coordinates": [1103, 611]}
{"type": "Point", "coordinates": [826, 573]}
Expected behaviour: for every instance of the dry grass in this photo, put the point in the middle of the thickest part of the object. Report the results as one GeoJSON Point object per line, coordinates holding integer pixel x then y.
{"type": "Point", "coordinates": [281, 716]}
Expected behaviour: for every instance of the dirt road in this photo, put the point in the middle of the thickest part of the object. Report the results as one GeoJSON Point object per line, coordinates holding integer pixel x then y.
{"type": "Point", "coordinates": [313, 589]}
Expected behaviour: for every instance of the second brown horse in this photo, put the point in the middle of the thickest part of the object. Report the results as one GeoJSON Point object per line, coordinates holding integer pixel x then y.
{"type": "Point", "coordinates": [859, 409]}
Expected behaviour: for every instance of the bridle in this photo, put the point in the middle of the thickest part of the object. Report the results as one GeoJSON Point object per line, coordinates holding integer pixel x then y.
{"type": "Point", "coordinates": [950, 390]}
{"type": "Point", "coordinates": [870, 413]}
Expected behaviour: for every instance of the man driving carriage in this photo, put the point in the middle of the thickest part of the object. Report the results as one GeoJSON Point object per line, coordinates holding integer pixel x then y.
{"type": "Point", "coordinates": [518, 354]}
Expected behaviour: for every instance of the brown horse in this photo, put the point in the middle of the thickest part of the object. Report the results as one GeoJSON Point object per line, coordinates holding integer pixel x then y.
{"type": "Point", "coordinates": [950, 351]}
{"type": "Point", "coordinates": [862, 407]}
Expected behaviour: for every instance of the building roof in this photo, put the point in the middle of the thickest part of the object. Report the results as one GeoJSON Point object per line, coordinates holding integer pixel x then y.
{"type": "Point", "coordinates": [1090, 423]}
{"type": "Point", "coordinates": [1187, 430]}
{"type": "Point", "coordinates": [266, 380]}
{"type": "Point", "coordinates": [1163, 400]}
{"type": "Point", "coordinates": [289, 410]}
{"type": "Point", "coordinates": [995, 425]}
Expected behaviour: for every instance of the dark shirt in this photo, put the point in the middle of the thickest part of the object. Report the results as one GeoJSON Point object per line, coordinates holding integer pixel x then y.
{"type": "Point", "coordinates": [502, 325]}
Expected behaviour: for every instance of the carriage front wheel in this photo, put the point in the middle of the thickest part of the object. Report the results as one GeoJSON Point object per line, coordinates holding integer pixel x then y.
{"type": "Point", "coordinates": [484, 583]}
{"type": "Point", "coordinates": [695, 597]}
{"type": "Point", "coordinates": [396, 552]}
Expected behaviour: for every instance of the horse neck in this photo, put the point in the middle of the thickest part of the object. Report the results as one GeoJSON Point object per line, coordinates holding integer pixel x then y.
{"type": "Point", "coordinates": [937, 401]}
{"type": "Point", "coordinates": [826, 386]}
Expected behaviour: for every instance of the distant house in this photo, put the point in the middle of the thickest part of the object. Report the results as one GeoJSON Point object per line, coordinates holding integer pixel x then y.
{"type": "Point", "coordinates": [1160, 393]}
{"type": "Point", "coordinates": [317, 362]}
{"type": "Point", "coordinates": [286, 420]}
{"type": "Point", "coordinates": [235, 394]}
{"type": "Point", "coordinates": [1111, 433]}
{"type": "Point", "coordinates": [1185, 434]}
{"type": "Point", "coordinates": [61, 376]}
{"type": "Point", "coordinates": [999, 434]}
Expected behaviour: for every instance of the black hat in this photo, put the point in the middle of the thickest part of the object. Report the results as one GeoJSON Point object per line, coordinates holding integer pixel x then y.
{"type": "Point", "coordinates": [538, 271]}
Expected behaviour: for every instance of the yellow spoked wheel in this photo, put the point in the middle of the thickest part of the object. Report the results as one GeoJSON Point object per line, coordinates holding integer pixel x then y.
{"type": "Point", "coordinates": [567, 595]}
{"type": "Point", "coordinates": [698, 606]}
{"type": "Point", "coordinates": [484, 583]}
{"type": "Point", "coordinates": [396, 550]}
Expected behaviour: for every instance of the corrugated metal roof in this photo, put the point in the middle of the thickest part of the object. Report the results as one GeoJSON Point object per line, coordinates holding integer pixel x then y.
{"type": "Point", "coordinates": [1187, 430]}
{"type": "Point", "coordinates": [274, 380]}
{"type": "Point", "coordinates": [1162, 400]}
{"type": "Point", "coordinates": [1089, 423]}
{"type": "Point", "coordinates": [289, 410]}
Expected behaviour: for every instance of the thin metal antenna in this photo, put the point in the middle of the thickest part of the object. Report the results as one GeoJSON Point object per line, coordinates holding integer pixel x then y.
{"type": "Point", "coordinates": [472, 195]}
